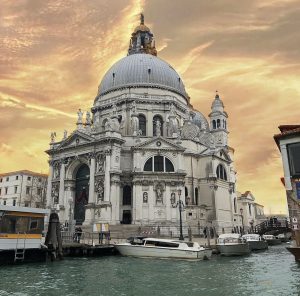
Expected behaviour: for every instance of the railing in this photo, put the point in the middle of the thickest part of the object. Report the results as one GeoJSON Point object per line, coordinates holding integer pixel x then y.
{"type": "Point", "coordinates": [273, 227]}
{"type": "Point", "coordinates": [87, 238]}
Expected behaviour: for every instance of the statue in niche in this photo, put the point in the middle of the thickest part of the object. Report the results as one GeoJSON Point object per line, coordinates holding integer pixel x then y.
{"type": "Point", "coordinates": [145, 197]}
{"type": "Point", "coordinates": [114, 109]}
{"type": "Point", "coordinates": [80, 115]}
{"type": "Point", "coordinates": [133, 107]}
{"type": "Point", "coordinates": [158, 128]}
{"type": "Point", "coordinates": [159, 193]}
{"type": "Point", "coordinates": [56, 170]}
{"type": "Point", "coordinates": [173, 198]}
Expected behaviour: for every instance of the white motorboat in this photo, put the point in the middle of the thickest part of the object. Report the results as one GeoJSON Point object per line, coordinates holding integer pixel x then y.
{"type": "Point", "coordinates": [232, 244]}
{"type": "Point", "coordinates": [163, 248]}
{"type": "Point", "coordinates": [255, 241]}
{"type": "Point", "coordinates": [271, 239]}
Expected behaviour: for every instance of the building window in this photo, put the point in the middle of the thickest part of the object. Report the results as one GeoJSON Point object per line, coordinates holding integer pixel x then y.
{"type": "Point", "coordinates": [221, 172]}
{"type": "Point", "coordinates": [14, 202]}
{"type": "Point", "coordinates": [250, 209]}
{"type": "Point", "coordinates": [0, 191]}
{"type": "Point", "coordinates": [157, 120]}
{"type": "Point", "coordinates": [40, 180]}
{"type": "Point", "coordinates": [1, 180]}
{"type": "Point", "coordinates": [158, 163]}
{"type": "Point", "coordinates": [6, 190]}
{"type": "Point", "coordinates": [214, 124]}
{"type": "Point", "coordinates": [28, 178]}
{"type": "Point", "coordinates": [17, 177]}
{"type": "Point", "coordinates": [196, 196]}
{"type": "Point", "coordinates": [39, 191]}
{"type": "Point", "coordinates": [234, 204]}
{"type": "Point", "coordinates": [4, 202]}
{"type": "Point", "coordinates": [16, 189]}
{"type": "Point", "coordinates": [126, 195]}
{"type": "Point", "coordinates": [26, 204]}
{"type": "Point", "coordinates": [7, 179]}
{"type": "Point", "coordinates": [218, 123]}
{"type": "Point", "coordinates": [142, 124]}
{"type": "Point", "coordinates": [27, 190]}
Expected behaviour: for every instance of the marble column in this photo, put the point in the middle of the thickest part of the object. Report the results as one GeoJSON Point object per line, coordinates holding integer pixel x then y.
{"type": "Point", "coordinates": [107, 176]}
{"type": "Point", "coordinates": [134, 205]}
{"type": "Point", "coordinates": [92, 181]}
{"type": "Point", "coordinates": [286, 169]}
{"type": "Point", "coordinates": [49, 185]}
{"type": "Point", "coordinates": [62, 185]}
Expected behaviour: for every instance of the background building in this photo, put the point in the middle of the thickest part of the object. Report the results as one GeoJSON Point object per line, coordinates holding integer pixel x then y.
{"type": "Point", "coordinates": [288, 142]}
{"type": "Point", "coordinates": [23, 188]}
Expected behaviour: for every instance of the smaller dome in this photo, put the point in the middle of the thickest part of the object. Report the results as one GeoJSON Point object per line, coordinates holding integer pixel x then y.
{"type": "Point", "coordinates": [200, 120]}
{"type": "Point", "coordinates": [141, 28]}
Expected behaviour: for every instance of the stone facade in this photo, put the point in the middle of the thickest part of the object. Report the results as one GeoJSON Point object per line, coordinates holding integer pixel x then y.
{"type": "Point", "coordinates": [143, 149]}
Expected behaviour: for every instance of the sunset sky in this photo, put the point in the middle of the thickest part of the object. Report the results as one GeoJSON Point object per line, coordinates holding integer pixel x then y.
{"type": "Point", "coordinates": [55, 52]}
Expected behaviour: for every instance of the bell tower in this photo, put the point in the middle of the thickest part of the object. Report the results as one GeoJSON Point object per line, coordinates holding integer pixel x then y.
{"type": "Point", "coordinates": [218, 122]}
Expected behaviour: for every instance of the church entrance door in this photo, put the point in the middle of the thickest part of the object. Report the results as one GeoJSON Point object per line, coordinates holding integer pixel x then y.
{"type": "Point", "coordinates": [81, 193]}
{"type": "Point", "coordinates": [126, 217]}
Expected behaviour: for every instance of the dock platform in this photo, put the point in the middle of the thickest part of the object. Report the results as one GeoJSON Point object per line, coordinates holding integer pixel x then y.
{"type": "Point", "coordinates": [85, 250]}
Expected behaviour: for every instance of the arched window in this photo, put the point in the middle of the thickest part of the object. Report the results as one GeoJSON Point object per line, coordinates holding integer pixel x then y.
{"type": "Point", "coordinates": [214, 124]}
{"type": "Point", "coordinates": [218, 123]}
{"type": "Point", "coordinates": [157, 119]}
{"type": "Point", "coordinates": [250, 213]}
{"type": "Point", "coordinates": [158, 163]}
{"type": "Point", "coordinates": [234, 204]}
{"type": "Point", "coordinates": [221, 172]}
{"type": "Point", "coordinates": [186, 192]}
{"type": "Point", "coordinates": [142, 124]}
{"type": "Point", "coordinates": [196, 196]}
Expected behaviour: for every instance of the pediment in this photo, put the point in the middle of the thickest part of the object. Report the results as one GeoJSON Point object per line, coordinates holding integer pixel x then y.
{"type": "Point", "coordinates": [158, 143]}
{"type": "Point", "coordinates": [75, 139]}
{"type": "Point", "coordinates": [223, 154]}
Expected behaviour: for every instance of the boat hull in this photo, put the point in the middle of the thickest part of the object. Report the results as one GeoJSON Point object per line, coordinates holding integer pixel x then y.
{"type": "Point", "coordinates": [234, 249]}
{"type": "Point", "coordinates": [258, 245]}
{"type": "Point", "coordinates": [30, 256]}
{"type": "Point", "coordinates": [273, 242]}
{"type": "Point", "coordinates": [157, 252]}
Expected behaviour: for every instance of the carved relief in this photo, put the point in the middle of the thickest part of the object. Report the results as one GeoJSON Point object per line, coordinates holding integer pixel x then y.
{"type": "Point", "coordinates": [55, 192]}
{"type": "Point", "coordinates": [99, 189]}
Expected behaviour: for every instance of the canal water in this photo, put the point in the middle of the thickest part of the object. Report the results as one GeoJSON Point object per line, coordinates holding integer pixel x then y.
{"type": "Point", "coordinates": [273, 272]}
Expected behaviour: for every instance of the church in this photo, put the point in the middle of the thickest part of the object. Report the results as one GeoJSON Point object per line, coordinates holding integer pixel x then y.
{"type": "Point", "coordinates": [143, 149]}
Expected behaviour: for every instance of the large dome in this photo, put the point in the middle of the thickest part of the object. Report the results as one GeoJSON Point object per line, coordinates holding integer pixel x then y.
{"type": "Point", "coordinates": [141, 70]}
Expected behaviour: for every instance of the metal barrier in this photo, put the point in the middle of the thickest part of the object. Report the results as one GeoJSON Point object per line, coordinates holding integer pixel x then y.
{"type": "Point", "coordinates": [87, 238]}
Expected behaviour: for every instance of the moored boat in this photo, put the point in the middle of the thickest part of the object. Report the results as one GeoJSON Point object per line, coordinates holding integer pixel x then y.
{"type": "Point", "coordinates": [271, 239]}
{"type": "Point", "coordinates": [255, 241]}
{"type": "Point", "coordinates": [21, 234]}
{"type": "Point", "coordinates": [232, 244]}
{"type": "Point", "coordinates": [163, 248]}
